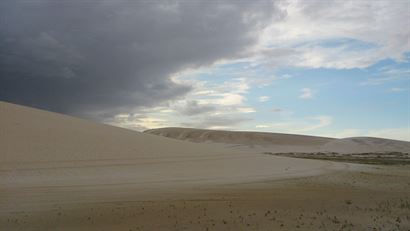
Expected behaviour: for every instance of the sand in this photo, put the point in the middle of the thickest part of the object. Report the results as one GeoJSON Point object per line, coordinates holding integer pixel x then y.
{"type": "Point", "coordinates": [62, 173]}
{"type": "Point", "coordinates": [366, 144]}
{"type": "Point", "coordinates": [279, 143]}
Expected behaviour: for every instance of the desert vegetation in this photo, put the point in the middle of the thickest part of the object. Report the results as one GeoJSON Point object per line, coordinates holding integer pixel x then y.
{"type": "Point", "coordinates": [385, 158]}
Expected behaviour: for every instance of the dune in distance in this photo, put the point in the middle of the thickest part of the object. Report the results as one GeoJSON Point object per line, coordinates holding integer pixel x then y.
{"type": "Point", "coordinates": [63, 173]}
{"type": "Point", "coordinates": [277, 142]}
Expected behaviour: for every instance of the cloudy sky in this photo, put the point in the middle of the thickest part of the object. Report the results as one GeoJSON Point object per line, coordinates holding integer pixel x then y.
{"type": "Point", "coordinates": [330, 68]}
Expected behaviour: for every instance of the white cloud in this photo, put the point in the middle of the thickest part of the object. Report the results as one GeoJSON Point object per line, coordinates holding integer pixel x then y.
{"type": "Point", "coordinates": [224, 98]}
{"type": "Point", "coordinates": [307, 93]}
{"type": "Point", "coordinates": [264, 98]}
{"type": "Point", "coordinates": [216, 122]}
{"type": "Point", "coordinates": [298, 126]}
{"type": "Point", "coordinates": [321, 121]}
{"type": "Point", "coordinates": [151, 123]}
{"type": "Point", "coordinates": [228, 99]}
{"type": "Point", "coordinates": [209, 105]}
{"type": "Point", "coordinates": [397, 89]}
{"type": "Point", "coordinates": [167, 110]}
{"type": "Point", "coordinates": [137, 122]}
{"type": "Point", "coordinates": [286, 76]}
{"type": "Point", "coordinates": [246, 110]}
{"type": "Point", "coordinates": [388, 74]}
{"type": "Point", "coordinates": [229, 93]}
{"type": "Point", "coordinates": [338, 34]}
{"type": "Point", "coordinates": [262, 126]}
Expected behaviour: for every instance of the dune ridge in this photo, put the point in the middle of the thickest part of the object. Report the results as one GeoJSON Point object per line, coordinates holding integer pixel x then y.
{"type": "Point", "coordinates": [238, 137]}
{"type": "Point", "coordinates": [278, 142]}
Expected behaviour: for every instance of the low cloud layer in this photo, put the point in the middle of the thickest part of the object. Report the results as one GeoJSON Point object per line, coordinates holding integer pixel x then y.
{"type": "Point", "coordinates": [217, 122]}
{"type": "Point", "coordinates": [98, 58]}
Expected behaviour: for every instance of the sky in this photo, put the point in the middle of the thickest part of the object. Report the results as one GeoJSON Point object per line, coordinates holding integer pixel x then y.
{"type": "Point", "coordinates": [325, 68]}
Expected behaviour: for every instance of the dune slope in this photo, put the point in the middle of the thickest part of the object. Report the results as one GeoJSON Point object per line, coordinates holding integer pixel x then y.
{"type": "Point", "coordinates": [62, 173]}
{"type": "Point", "coordinates": [40, 150]}
{"type": "Point", "coordinates": [28, 134]}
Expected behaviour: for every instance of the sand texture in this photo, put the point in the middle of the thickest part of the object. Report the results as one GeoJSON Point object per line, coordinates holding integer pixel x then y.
{"type": "Point", "coordinates": [62, 173]}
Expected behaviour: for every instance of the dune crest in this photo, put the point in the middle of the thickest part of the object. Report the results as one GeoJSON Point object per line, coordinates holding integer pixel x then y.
{"type": "Point", "coordinates": [277, 142]}
{"type": "Point", "coordinates": [237, 137]}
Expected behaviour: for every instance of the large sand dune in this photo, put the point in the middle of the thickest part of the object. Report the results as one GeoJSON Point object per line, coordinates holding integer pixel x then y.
{"type": "Point", "coordinates": [277, 142]}
{"type": "Point", "coordinates": [32, 135]}
{"type": "Point", "coordinates": [62, 173]}
{"type": "Point", "coordinates": [42, 149]}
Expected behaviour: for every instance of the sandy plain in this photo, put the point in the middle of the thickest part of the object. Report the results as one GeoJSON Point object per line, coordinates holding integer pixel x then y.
{"type": "Point", "coordinates": [62, 173]}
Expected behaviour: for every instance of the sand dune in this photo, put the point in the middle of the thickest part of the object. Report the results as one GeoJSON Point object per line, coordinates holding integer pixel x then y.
{"type": "Point", "coordinates": [28, 134]}
{"type": "Point", "coordinates": [238, 137]}
{"type": "Point", "coordinates": [62, 173]}
{"type": "Point", "coordinates": [277, 142]}
{"type": "Point", "coordinates": [366, 144]}
{"type": "Point", "coordinates": [43, 149]}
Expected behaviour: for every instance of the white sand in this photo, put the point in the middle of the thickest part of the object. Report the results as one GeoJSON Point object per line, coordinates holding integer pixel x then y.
{"type": "Point", "coordinates": [62, 173]}
{"type": "Point", "coordinates": [42, 151]}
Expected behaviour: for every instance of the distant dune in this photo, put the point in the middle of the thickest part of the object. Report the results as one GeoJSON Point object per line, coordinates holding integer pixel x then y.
{"type": "Point", "coordinates": [366, 144]}
{"type": "Point", "coordinates": [238, 137]}
{"type": "Point", "coordinates": [277, 142]}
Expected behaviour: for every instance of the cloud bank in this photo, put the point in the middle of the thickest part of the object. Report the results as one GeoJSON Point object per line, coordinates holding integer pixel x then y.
{"type": "Point", "coordinates": [98, 58]}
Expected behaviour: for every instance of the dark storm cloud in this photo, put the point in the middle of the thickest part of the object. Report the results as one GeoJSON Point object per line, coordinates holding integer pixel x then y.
{"type": "Point", "coordinates": [90, 57]}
